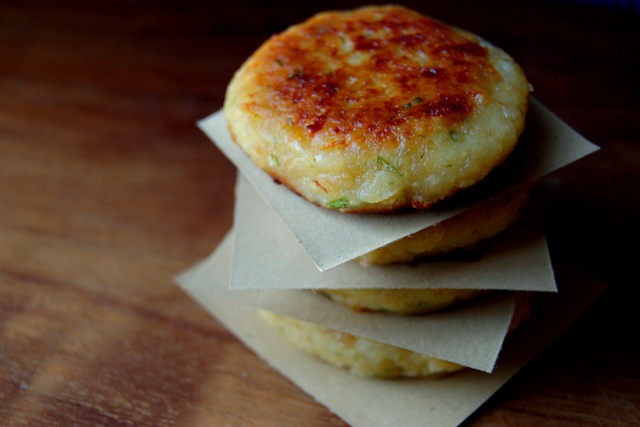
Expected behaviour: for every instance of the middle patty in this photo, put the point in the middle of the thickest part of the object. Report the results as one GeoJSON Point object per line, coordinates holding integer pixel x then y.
{"type": "Point", "coordinates": [461, 232]}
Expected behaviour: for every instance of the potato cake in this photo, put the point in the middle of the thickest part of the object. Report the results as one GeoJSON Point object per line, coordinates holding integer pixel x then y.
{"type": "Point", "coordinates": [377, 109]}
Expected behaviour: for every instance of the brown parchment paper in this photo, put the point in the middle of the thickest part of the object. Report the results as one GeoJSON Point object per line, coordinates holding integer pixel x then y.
{"type": "Point", "coordinates": [444, 402]}
{"type": "Point", "coordinates": [470, 335]}
{"type": "Point", "coordinates": [267, 256]}
{"type": "Point", "coordinates": [331, 238]}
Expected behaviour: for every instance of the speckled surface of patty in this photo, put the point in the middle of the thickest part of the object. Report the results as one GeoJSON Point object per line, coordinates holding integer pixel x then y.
{"type": "Point", "coordinates": [377, 109]}
{"type": "Point", "coordinates": [359, 355]}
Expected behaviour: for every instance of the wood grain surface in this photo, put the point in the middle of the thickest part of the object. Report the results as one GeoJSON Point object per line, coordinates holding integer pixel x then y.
{"type": "Point", "coordinates": [108, 189]}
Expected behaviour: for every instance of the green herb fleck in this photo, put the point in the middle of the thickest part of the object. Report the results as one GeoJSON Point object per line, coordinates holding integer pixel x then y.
{"type": "Point", "coordinates": [282, 332]}
{"type": "Point", "coordinates": [280, 62]}
{"type": "Point", "coordinates": [296, 73]}
{"type": "Point", "coordinates": [383, 162]}
{"type": "Point", "coordinates": [449, 165]}
{"type": "Point", "coordinates": [454, 135]}
{"type": "Point", "coordinates": [338, 203]}
{"type": "Point", "coordinates": [274, 161]}
{"type": "Point", "coordinates": [417, 100]}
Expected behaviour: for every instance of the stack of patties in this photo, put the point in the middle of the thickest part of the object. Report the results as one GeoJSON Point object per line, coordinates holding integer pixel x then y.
{"type": "Point", "coordinates": [383, 110]}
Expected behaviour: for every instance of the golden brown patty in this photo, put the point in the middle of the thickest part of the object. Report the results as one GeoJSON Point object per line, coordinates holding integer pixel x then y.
{"type": "Point", "coordinates": [361, 356]}
{"type": "Point", "coordinates": [377, 109]}
{"type": "Point", "coordinates": [462, 231]}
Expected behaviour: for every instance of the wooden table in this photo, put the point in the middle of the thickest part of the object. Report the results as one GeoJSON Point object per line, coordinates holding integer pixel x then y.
{"type": "Point", "coordinates": [107, 189]}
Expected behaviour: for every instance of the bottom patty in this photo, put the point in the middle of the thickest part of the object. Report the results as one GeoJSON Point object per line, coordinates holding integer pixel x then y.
{"type": "Point", "coordinates": [370, 358]}
{"type": "Point", "coordinates": [359, 355]}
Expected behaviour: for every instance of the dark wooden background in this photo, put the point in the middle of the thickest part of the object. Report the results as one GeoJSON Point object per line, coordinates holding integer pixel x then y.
{"type": "Point", "coordinates": [107, 189]}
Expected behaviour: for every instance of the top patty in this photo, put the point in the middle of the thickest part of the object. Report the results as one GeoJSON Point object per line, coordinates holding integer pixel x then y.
{"type": "Point", "coordinates": [377, 109]}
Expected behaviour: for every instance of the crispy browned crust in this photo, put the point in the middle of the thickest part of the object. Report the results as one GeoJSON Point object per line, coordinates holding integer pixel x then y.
{"type": "Point", "coordinates": [322, 102]}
